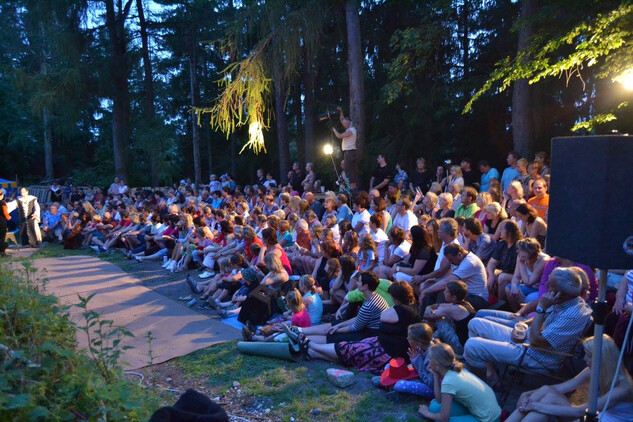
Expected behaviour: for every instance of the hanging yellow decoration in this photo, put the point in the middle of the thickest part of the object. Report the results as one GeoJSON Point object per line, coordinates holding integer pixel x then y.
{"type": "Point", "coordinates": [244, 100]}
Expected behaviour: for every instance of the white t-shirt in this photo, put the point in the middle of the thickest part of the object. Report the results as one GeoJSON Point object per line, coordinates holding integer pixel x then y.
{"type": "Point", "coordinates": [406, 221]}
{"type": "Point", "coordinates": [472, 272]}
{"type": "Point", "coordinates": [363, 218]}
{"type": "Point", "coordinates": [349, 142]}
{"type": "Point", "coordinates": [440, 255]}
{"type": "Point", "coordinates": [380, 237]}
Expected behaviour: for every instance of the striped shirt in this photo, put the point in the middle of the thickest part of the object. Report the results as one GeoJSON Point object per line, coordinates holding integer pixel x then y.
{"type": "Point", "coordinates": [369, 313]}
{"type": "Point", "coordinates": [563, 327]}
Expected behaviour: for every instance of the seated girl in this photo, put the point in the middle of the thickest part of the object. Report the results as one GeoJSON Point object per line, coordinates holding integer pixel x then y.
{"type": "Point", "coordinates": [458, 393]}
{"type": "Point", "coordinates": [300, 318]}
{"type": "Point", "coordinates": [311, 298]}
{"type": "Point", "coordinates": [340, 281]}
{"type": "Point", "coordinates": [552, 401]}
{"type": "Point", "coordinates": [363, 325]}
{"type": "Point", "coordinates": [367, 255]}
{"type": "Point", "coordinates": [373, 353]}
{"type": "Point", "coordinates": [451, 318]}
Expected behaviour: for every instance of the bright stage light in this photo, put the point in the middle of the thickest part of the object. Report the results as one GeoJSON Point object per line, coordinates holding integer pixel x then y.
{"type": "Point", "coordinates": [626, 79]}
{"type": "Point", "coordinates": [327, 149]}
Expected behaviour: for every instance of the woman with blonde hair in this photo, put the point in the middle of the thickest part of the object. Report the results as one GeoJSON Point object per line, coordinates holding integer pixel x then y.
{"type": "Point", "coordinates": [483, 200]}
{"type": "Point", "coordinates": [553, 401]}
{"type": "Point", "coordinates": [445, 202]}
{"type": "Point", "coordinates": [495, 214]}
{"type": "Point", "coordinates": [529, 268]}
{"type": "Point", "coordinates": [459, 394]}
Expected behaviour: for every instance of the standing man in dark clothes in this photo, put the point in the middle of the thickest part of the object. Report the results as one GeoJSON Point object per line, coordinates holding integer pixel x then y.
{"type": "Point", "coordinates": [471, 178]}
{"type": "Point", "coordinates": [381, 176]}
{"type": "Point", "coordinates": [421, 178]}
{"type": "Point", "coordinates": [295, 177]}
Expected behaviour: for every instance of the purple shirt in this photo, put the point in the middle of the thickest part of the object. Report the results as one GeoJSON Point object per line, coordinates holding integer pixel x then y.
{"type": "Point", "coordinates": [553, 264]}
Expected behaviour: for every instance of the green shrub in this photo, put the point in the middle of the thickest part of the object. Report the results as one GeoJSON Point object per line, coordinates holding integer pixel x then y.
{"type": "Point", "coordinates": [44, 376]}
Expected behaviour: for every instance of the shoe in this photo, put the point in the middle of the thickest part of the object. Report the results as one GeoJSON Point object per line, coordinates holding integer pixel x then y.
{"type": "Point", "coordinates": [304, 343]}
{"type": "Point", "coordinates": [206, 274]}
{"type": "Point", "coordinates": [193, 286]}
{"type": "Point", "coordinates": [191, 303]}
{"type": "Point", "coordinates": [292, 332]}
{"type": "Point", "coordinates": [95, 248]}
{"type": "Point", "coordinates": [138, 258]}
{"type": "Point", "coordinates": [247, 334]}
{"type": "Point", "coordinates": [185, 298]}
{"type": "Point", "coordinates": [171, 266]}
{"type": "Point", "coordinates": [205, 305]}
{"type": "Point", "coordinates": [223, 313]}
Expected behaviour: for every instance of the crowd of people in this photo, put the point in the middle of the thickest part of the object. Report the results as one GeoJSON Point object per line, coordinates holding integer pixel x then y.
{"type": "Point", "coordinates": [433, 279]}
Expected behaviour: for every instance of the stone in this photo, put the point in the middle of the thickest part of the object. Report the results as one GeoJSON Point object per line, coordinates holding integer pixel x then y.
{"type": "Point", "coordinates": [236, 384]}
{"type": "Point", "coordinates": [316, 412]}
{"type": "Point", "coordinates": [340, 377]}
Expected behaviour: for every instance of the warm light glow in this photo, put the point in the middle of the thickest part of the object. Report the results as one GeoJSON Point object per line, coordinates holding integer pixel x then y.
{"type": "Point", "coordinates": [626, 79]}
{"type": "Point", "coordinates": [255, 138]}
{"type": "Point", "coordinates": [327, 149]}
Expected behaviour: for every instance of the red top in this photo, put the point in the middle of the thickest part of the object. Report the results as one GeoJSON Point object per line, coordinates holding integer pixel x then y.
{"type": "Point", "coordinates": [301, 319]}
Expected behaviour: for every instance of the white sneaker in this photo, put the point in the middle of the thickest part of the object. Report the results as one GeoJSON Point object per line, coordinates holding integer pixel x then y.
{"type": "Point", "coordinates": [206, 274]}
{"type": "Point", "coordinates": [138, 258]}
{"type": "Point", "coordinates": [167, 263]}
{"type": "Point", "coordinates": [171, 266]}
{"type": "Point", "coordinates": [95, 248]}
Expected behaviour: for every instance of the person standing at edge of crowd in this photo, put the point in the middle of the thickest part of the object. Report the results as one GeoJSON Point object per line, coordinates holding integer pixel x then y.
{"type": "Point", "coordinates": [4, 218]}
{"type": "Point", "coordinates": [348, 145]}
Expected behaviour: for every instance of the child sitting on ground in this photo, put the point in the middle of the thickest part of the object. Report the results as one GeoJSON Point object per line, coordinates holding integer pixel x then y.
{"type": "Point", "coordinates": [300, 318]}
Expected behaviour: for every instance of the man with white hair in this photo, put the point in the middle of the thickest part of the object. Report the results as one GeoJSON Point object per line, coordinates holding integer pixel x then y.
{"type": "Point", "coordinates": [561, 318]}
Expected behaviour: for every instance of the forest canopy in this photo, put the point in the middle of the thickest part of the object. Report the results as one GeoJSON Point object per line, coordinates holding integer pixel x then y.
{"type": "Point", "coordinates": [94, 88]}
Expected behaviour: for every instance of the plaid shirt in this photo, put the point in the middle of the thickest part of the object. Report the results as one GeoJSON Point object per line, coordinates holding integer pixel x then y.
{"type": "Point", "coordinates": [563, 327]}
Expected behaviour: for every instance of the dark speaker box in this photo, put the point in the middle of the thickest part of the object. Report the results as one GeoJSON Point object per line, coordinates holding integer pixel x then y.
{"type": "Point", "coordinates": [591, 200]}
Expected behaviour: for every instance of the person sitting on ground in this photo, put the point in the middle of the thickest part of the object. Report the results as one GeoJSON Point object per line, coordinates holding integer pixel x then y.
{"type": "Point", "coordinates": [561, 318]}
{"type": "Point", "coordinates": [459, 394]}
{"type": "Point", "coordinates": [373, 353]}
{"type": "Point", "coordinates": [501, 266]}
{"type": "Point", "coordinates": [311, 298]}
{"type": "Point", "coordinates": [527, 275]}
{"type": "Point", "coordinates": [478, 242]}
{"type": "Point", "coordinates": [299, 318]}
{"type": "Point", "coordinates": [51, 224]}
{"type": "Point", "coordinates": [553, 401]}
{"type": "Point", "coordinates": [340, 274]}
{"type": "Point", "coordinates": [367, 255]}
{"type": "Point", "coordinates": [420, 338]}
{"type": "Point", "coordinates": [365, 324]}
{"type": "Point", "coordinates": [452, 317]}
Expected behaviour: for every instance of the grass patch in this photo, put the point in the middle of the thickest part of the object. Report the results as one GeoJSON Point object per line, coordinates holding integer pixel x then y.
{"type": "Point", "coordinates": [293, 389]}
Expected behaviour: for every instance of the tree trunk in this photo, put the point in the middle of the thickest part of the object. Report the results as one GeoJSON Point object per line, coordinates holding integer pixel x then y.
{"type": "Point", "coordinates": [309, 106]}
{"type": "Point", "coordinates": [356, 74]}
{"type": "Point", "coordinates": [148, 84]}
{"type": "Point", "coordinates": [48, 136]}
{"type": "Point", "coordinates": [280, 118]}
{"type": "Point", "coordinates": [121, 95]}
{"type": "Point", "coordinates": [522, 119]}
{"type": "Point", "coordinates": [234, 154]}
{"type": "Point", "coordinates": [296, 111]}
{"type": "Point", "coordinates": [195, 94]}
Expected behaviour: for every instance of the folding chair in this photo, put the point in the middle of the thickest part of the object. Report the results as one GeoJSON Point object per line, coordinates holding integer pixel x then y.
{"type": "Point", "coordinates": [13, 236]}
{"type": "Point", "coordinates": [567, 369]}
